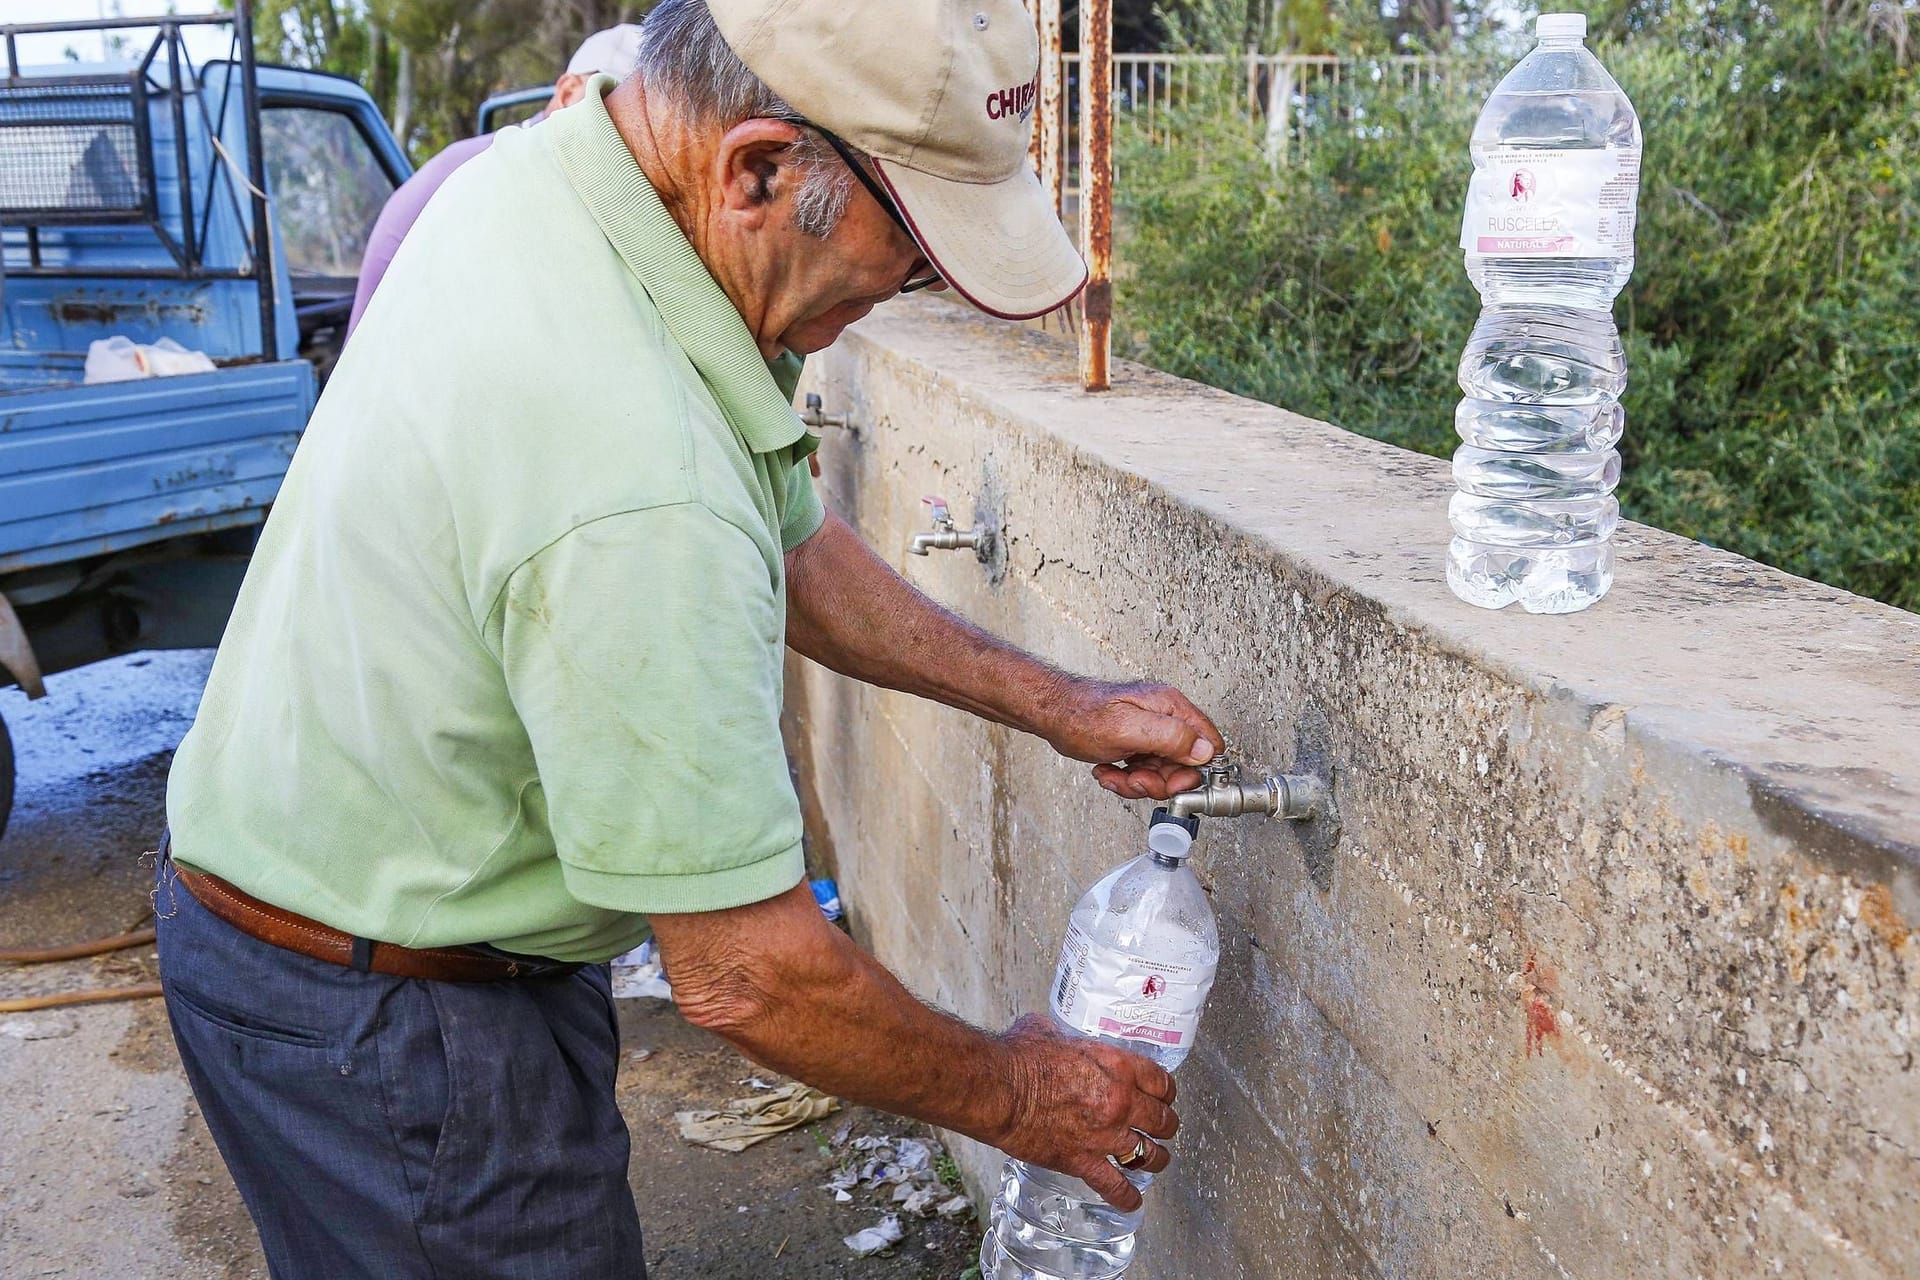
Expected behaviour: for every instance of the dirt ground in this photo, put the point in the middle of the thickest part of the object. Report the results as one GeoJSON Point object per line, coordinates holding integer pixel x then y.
{"type": "Point", "coordinates": [106, 1168]}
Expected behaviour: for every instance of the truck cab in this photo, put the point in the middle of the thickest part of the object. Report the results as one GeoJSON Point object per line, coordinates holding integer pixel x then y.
{"type": "Point", "coordinates": [224, 206]}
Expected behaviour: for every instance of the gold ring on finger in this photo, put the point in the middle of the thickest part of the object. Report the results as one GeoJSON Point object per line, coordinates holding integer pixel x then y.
{"type": "Point", "coordinates": [1139, 1156]}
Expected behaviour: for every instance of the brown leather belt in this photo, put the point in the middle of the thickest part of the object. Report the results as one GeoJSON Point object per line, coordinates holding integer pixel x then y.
{"type": "Point", "coordinates": [296, 933]}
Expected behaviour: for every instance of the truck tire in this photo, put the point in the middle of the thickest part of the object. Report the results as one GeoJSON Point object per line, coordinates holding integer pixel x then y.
{"type": "Point", "coordinates": [6, 777]}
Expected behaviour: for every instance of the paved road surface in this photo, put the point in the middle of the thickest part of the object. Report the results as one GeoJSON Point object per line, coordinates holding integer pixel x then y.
{"type": "Point", "coordinates": [105, 1166]}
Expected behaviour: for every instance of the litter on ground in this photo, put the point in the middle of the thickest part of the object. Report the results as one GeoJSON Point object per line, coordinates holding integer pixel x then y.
{"type": "Point", "coordinates": [901, 1172]}
{"type": "Point", "coordinates": [638, 975]}
{"type": "Point", "coordinates": [745, 1121]}
{"type": "Point", "coordinates": [875, 1239]}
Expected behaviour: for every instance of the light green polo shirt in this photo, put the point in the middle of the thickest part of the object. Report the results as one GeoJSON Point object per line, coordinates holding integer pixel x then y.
{"type": "Point", "coordinates": [507, 664]}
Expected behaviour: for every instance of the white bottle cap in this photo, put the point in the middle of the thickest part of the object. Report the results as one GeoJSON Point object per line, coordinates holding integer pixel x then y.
{"type": "Point", "coordinates": [1561, 26]}
{"type": "Point", "coordinates": [1169, 839]}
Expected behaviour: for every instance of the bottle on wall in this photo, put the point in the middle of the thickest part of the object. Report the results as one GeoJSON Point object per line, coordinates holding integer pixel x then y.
{"type": "Point", "coordinates": [1548, 237]}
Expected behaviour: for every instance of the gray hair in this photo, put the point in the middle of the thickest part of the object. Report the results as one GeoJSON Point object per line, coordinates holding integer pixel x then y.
{"type": "Point", "coordinates": [687, 62]}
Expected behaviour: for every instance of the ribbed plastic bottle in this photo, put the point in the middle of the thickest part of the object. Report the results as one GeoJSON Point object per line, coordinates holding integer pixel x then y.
{"type": "Point", "coordinates": [1548, 237]}
{"type": "Point", "coordinates": [1139, 958]}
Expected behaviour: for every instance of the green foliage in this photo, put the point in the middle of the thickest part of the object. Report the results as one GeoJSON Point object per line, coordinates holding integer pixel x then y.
{"type": "Point", "coordinates": [1772, 324]}
{"type": "Point", "coordinates": [429, 64]}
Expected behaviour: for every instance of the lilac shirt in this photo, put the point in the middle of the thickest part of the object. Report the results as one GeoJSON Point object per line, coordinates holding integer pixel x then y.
{"type": "Point", "coordinates": [399, 213]}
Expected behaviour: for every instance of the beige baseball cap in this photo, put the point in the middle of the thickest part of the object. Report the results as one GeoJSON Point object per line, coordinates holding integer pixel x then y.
{"type": "Point", "coordinates": [614, 51]}
{"type": "Point", "coordinates": [941, 94]}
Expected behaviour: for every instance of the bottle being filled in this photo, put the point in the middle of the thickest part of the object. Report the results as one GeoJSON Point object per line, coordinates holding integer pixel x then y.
{"type": "Point", "coordinates": [1139, 958]}
{"type": "Point", "coordinates": [1548, 237]}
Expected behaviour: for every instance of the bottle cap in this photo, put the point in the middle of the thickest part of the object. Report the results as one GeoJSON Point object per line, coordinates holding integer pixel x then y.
{"type": "Point", "coordinates": [1561, 26]}
{"type": "Point", "coordinates": [1171, 837]}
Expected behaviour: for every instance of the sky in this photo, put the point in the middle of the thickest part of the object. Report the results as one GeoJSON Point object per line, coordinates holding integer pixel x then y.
{"type": "Point", "coordinates": [211, 42]}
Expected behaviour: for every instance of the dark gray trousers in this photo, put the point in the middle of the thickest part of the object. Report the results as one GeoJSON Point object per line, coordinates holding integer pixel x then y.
{"type": "Point", "coordinates": [391, 1127]}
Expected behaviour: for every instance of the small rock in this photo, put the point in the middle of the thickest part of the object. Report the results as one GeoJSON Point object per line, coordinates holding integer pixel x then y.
{"type": "Point", "coordinates": [641, 1055]}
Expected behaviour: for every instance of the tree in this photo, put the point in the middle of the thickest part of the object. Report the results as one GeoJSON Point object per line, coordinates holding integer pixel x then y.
{"type": "Point", "coordinates": [428, 64]}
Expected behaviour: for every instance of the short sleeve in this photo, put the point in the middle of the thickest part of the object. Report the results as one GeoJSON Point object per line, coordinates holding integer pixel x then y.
{"type": "Point", "coordinates": [643, 654]}
{"type": "Point", "coordinates": [804, 513]}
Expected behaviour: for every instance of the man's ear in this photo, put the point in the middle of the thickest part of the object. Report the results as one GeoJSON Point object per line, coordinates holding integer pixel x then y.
{"type": "Point", "coordinates": [567, 90]}
{"type": "Point", "coordinates": [747, 166]}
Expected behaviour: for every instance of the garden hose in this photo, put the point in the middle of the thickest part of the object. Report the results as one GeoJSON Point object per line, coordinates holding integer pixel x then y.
{"type": "Point", "coordinates": [27, 1004]}
{"type": "Point", "coordinates": [79, 951]}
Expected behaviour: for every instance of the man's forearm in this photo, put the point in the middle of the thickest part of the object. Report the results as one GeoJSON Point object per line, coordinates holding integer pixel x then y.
{"type": "Point", "coordinates": [830, 1014]}
{"type": "Point", "coordinates": [848, 610]}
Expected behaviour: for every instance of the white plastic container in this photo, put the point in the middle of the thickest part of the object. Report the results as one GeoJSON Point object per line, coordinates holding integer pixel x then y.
{"type": "Point", "coordinates": [1548, 239]}
{"type": "Point", "coordinates": [1139, 959]}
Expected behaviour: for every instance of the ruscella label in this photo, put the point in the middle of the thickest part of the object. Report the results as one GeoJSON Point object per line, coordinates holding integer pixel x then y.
{"type": "Point", "coordinates": [1526, 202]}
{"type": "Point", "coordinates": [1104, 992]}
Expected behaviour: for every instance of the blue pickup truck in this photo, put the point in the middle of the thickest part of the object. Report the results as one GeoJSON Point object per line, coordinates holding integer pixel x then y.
{"type": "Point", "coordinates": [224, 206]}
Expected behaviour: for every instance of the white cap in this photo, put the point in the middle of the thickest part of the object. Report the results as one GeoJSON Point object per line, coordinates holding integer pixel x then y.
{"type": "Point", "coordinates": [614, 52]}
{"type": "Point", "coordinates": [1561, 26]}
{"type": "Point", "coordinates": [1169, 839]}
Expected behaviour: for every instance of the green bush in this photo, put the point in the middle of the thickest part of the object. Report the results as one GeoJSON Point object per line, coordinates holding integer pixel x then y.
{"type": "Point", "coordinates": [1772, 324]}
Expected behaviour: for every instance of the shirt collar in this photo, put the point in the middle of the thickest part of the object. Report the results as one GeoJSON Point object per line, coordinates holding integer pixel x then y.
{"type": "Point", "coordinates": [696, 310]}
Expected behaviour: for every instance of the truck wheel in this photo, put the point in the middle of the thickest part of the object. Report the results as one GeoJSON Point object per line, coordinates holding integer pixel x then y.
{"type": "Point", "coordinates": [6, 777]}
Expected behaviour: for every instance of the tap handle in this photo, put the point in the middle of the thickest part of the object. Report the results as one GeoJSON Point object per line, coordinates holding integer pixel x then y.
{"type": "Point", "coordinates": [1221, 768]}
{"type": "Point", "coordinates": [941, 519]}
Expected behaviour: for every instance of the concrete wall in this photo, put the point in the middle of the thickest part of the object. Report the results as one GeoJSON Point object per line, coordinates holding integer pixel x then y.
{"type": "Point", "coordinates": [1610, 970]}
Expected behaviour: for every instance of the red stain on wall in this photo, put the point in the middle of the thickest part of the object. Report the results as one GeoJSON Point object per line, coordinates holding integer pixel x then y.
{"type": "Point", "coordinates": [1540, 1024]}
{"type": "Point", "coordinates": [1537, 983]}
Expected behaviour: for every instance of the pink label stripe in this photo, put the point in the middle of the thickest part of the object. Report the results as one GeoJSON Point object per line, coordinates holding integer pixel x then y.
{"type": "Point", "coordinates": [1140, 1031]}
{"type": "Point", "coordinates": [1526, 244]}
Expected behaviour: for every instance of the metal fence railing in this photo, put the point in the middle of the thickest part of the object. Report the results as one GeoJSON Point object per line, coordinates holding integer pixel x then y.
{"type": "Point", "coordinates": [1288, 98]}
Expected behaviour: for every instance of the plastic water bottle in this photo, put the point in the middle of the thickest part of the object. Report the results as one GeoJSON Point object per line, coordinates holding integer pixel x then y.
{"type": "Point", "coordinates": [1548, 237]}
{"type": "Point", "coordinates": [1138, 961]}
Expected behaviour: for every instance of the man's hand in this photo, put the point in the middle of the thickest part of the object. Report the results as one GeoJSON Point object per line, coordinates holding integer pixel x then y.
{"type": "Point", "coordinates": [1082, 1102]}
{"type": "Point", "coordinates": [1152, 730]}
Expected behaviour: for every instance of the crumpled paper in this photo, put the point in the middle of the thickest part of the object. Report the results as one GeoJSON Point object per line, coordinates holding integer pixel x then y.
{"type": "Point", "coordinates": [875, 1239]}
{"type": "Point", "coordinates": [637, 975]}
{"type": "Point", "coordinates": [745, 1121]}
{"type": "Point", "coordinates": [901, 1170]}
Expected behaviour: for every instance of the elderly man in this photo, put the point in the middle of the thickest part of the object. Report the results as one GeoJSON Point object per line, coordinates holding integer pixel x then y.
{"type": "Point", "coordinates": [609, 52]}
{"type": "Point", "coordinates": [503, 687]}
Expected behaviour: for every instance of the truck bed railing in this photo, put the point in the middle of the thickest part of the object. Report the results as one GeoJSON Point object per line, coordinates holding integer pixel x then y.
{"type": "Point", "coordinates": [76, 150]}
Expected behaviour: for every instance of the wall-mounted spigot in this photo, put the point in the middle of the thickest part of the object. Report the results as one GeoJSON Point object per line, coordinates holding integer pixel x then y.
{"type": "Point", "coordinates": [944, 537]}
{"type": "Point", "coordinates": [819, 419]}
{"type": "Point", "coordinates": [1286, 795]}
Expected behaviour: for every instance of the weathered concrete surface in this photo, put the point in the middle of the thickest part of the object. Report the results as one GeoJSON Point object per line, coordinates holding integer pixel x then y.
{"type": "Point", "coordinates": [1611, 970]}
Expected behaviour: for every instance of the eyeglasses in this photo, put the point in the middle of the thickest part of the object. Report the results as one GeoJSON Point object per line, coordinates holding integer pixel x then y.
{"type": "Point", "coordinates": [874, 189]}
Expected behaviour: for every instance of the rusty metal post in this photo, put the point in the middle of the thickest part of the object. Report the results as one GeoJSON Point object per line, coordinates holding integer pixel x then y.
{"type": "Point", "coordinates": [1096, 189]}
{"type": "Point", "coordinates": [1033, 139]}
{"type": "Point", "coordinates": [1053, 107]}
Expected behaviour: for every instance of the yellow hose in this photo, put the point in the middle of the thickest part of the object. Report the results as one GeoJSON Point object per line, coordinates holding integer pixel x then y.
{"type": "Point", "coordinates": [78, 950]}
{"type": "Point", "coordinates": [27, 1004]}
